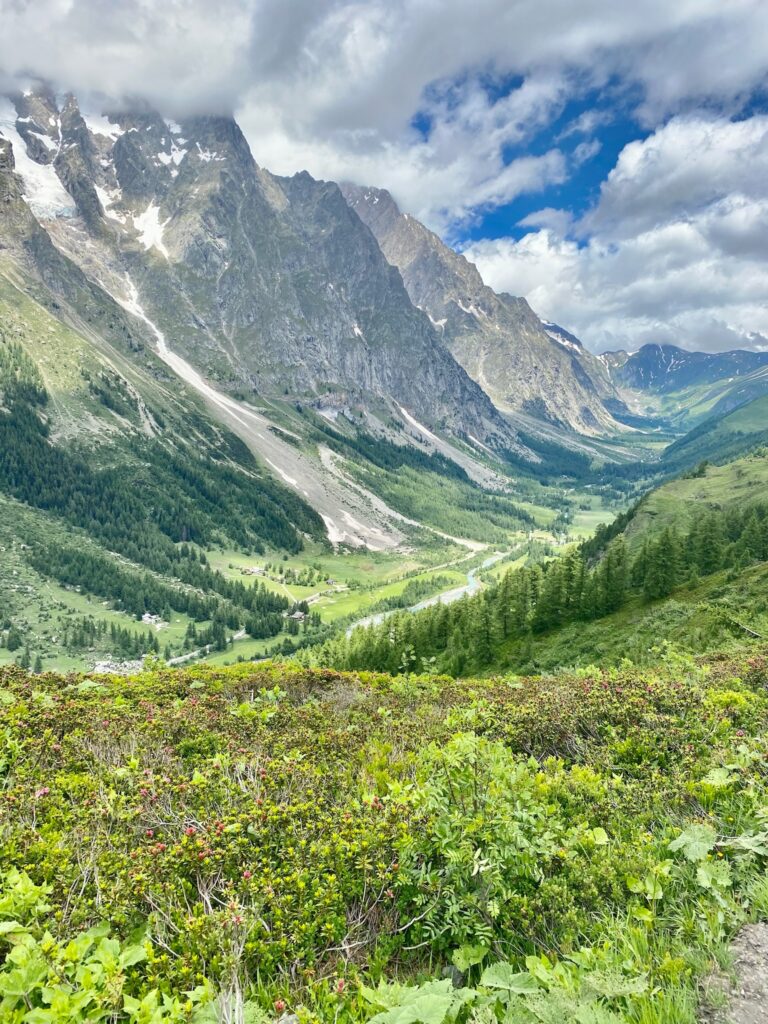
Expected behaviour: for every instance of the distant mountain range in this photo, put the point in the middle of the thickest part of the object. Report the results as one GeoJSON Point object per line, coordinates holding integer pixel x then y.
{"type": "Point", "coordinates": [684, 386]}
{"type": "Point", "coordinates": [665, 368]}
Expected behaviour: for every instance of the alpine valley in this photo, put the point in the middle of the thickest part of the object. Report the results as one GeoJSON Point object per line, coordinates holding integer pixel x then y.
{"type": "Point", "coordinates": [241, 412]}
{"type": "Point", "coordinates": [371, 651]}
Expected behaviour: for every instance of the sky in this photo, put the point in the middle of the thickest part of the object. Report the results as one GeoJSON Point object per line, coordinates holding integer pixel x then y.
{"type": "Point", "coordinates": [607, 160]}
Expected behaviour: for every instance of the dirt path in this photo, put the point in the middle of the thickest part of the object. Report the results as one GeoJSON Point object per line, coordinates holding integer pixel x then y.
{"type": "Point", "coordinates": [747, 996]}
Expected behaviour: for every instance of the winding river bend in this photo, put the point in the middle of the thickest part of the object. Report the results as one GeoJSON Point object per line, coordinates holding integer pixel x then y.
{"type": "Point", "coordinates": [467, 589]}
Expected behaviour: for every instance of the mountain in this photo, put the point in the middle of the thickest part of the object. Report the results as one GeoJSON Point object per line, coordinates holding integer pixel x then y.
{"type": "Point", "coordinates": [683, 388]}
{"type": "Point", "coordinates": [525, 364]}
{"type": "Point", "coordinates": [267, 286]}
{"type": "Point", "coordinates": [721, 437]}
{"type": "Point", "coordinates": [666, 368]}
{"type": "Point", "coordinates": [201, 362]}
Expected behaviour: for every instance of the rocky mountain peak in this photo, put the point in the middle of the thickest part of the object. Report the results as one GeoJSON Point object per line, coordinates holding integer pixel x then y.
{"type": "Point", "coordinates": [524, 364]}
{"type": "Point", "coordinates": [267, 285]}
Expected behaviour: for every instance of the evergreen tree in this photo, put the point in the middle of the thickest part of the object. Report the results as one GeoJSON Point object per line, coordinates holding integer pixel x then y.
{"type": "Point", "coordinates": [14, 639]}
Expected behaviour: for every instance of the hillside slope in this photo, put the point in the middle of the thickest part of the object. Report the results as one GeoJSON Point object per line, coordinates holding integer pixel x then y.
{"type": "Point", "coordinates": [272, 841]}
{"type": "Point", "coordinates": [721, 437]}
{"type": "Point", "coordinates": [680, 502]}
{"type": "Point", "coordinates": [559, 610]}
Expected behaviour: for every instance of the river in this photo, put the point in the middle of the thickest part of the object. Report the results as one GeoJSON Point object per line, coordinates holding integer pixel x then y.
{"type": "Point", "coordinates": [469, 588]}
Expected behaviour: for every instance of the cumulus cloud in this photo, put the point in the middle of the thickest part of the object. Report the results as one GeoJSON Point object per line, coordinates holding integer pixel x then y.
{"type": "Point", "coordinates": [333, 85]}
{"type": "Point", "coordinates": [676, 249]}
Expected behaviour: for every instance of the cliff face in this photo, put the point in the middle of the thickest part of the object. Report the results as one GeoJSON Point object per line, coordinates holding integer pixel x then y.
{"type": "Point", "coordinates": [265, 284]}
{"type": "Point", "coordinates": [523, 363]}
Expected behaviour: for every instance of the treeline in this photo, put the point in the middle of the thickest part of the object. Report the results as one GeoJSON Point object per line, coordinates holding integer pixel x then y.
{"type": "Point", "coordinates": [233, 605]}
{"type": "Point", "coordinates": [532, 600]}
{"type": "Point", "coordinates": [446, 498]}
{"type": "Point", "coordinates": [82, 633]}
{"type": "Point", "coordinates": [386, 454]}
{"type": "Point", "coordinates": [158, 495]}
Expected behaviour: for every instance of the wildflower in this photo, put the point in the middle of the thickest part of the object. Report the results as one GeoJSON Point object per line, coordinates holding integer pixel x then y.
{"type": "Point", "coordinates": [340, 986]}
{"type": "Point", "coordinates": [247, 874]}
{"type": "Point", "coordinates": [279, 1005]}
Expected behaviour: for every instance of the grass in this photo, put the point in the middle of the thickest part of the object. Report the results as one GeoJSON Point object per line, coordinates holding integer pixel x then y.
{"type": "Point", "coordinates": [362, 568]}
{"type": "Point", "coordinates": [356, 603]}
{"type": "Point", "coordinates": [362, 578]}
{"type": "Point", "coordinates": [736, 484]}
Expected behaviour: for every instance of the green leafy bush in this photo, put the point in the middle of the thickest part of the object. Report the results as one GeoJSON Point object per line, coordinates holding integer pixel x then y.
{"type": "Point", "coordinates": [487, 838]}
{"type": "Point", "coordinates": [581, 850]}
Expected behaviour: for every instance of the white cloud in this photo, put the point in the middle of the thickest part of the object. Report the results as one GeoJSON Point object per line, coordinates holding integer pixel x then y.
{"type": "Point", "coordinates": [675, 250]}
{"type": "Point", "coordinates": [679, 170]}
{"type": "Point", "coordinates": [558, 221]}
{"type": "Point", "coordinates": [333, 85]}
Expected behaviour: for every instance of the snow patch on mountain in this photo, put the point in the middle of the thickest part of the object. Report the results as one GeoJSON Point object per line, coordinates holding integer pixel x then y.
{"type": "Point", "coordinates": [150, 229]}
{"type": "Point", "coordinates": [99, 124]}
{"type": "Point", "coordinates": [176, 155]}
{"type": "Point", "coordinates": [43, 191]}
{"type": "Point", "coordinates": [208, 155]}
{"type": "Point", "coordinates": [108, 200]}
{"type": "Point", "coordinates": [557, 335]}
{"type": "Point", "coordinates": [472, 309]}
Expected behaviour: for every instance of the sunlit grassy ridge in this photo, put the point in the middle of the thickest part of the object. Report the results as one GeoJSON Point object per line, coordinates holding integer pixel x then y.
{"type": "Point", "coordinates": [293, 838]}
{"type": "Point", "coordinates": [678, 503]}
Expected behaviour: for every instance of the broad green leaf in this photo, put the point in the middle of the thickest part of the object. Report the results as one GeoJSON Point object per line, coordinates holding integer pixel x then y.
{"type": "Point", "coordinates": [750, 844]}
{"type": "Point", "coordinates": [467, 956]}
{"type": "Point", "coordinates": [653, 888]}
{"type": "Point", "coordinates": [132, 955]}
{"type": "Point", "coordinates": [714, 873]}
{"type": "Point", "coordinates": [505, 977]}
{"type": "Point", "coordinates": [599, 836]}
{"type": "Point", "coordinates": [427, 1008]}
{"type": "Point", "coordinates": [695, 842]}
{"type": "Point", "coordinates": [644, 914]}
{"type": "Point", "coordinates": [719, 777]}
